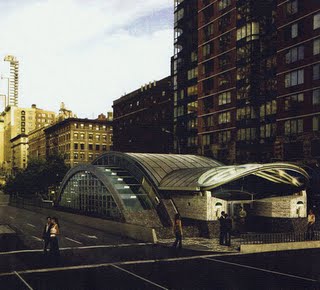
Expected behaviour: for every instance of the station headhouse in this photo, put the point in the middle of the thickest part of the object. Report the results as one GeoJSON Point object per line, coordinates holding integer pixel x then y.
{"type": "Point", "coordinates": [148, 189]}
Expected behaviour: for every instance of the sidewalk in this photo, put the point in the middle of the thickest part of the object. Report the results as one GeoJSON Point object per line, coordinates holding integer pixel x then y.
{"type": "Point", "coordinates": [203, 244]}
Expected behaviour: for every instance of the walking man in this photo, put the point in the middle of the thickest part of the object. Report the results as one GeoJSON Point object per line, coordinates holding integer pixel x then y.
{"type": "Point", "coordinates": [311, 222]}
{"type": "Point", "coordinates": [46, 234]}
{"type": "Point", "coordinates": [228, 228]}
{"type": "Point", "coordinates": [222, 221]}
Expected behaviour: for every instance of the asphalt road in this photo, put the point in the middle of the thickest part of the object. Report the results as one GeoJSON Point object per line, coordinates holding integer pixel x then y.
{"type": "Point", "coordinates": [110, 262]}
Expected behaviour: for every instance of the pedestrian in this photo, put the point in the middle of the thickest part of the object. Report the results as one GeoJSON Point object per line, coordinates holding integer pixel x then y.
{"type": "Point", "coordinates": [222, 222]}
{"type": "Point", "coordinates": [242, 219]}
{"type": "Point", "coordinates": [228, 227]}
{"type": "Point", "coordinates": [177, 230]}
{"type": "Point", "coordinates": [311, 223]}
{"type": "Point", "coordinates": [46, 234]}
{"type": "Point", "coordinates": [54, 245]}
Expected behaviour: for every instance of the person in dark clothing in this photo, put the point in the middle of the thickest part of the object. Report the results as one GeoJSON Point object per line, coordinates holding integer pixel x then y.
{"type": "Point", "coordinates": [228, 225]}
{"type": "Point", "coordinates": [54, 245]}
{"type": "Point", "coordinates": [222, 220]}
{"type": "Point", "coordinates": [46, 234]}
{"type": "Point", "coordinates": [177, 229]}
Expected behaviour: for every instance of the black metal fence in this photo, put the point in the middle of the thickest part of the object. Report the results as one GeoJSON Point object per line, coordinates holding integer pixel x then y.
{"type": "Point", "coordinates": [269, 238]}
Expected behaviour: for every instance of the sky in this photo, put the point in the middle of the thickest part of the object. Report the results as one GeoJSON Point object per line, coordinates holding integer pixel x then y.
{"type": "Point", "coordinates": [85, 53]}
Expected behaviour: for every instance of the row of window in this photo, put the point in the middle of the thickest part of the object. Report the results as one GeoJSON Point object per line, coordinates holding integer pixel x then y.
{"type": "Point", "coordinates": [97, 147]}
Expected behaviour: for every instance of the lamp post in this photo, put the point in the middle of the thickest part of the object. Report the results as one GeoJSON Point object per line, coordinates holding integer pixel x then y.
{"type": "Point", "coordinates": [174, 136]}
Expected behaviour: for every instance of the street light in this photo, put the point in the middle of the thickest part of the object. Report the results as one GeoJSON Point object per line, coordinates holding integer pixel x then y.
{"type": "Point", "coordinates": [174, 136]}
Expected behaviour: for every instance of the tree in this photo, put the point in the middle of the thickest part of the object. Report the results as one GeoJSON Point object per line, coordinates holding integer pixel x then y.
{"type": "Point", "coordinates": [39, 175]}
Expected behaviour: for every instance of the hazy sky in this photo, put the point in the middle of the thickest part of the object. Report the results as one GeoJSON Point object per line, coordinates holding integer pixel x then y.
{"type": "Point", "coordinates": [85, 53]}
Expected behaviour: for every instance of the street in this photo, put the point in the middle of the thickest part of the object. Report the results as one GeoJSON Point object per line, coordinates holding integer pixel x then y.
{"type": "Point", "coordinates": [92, 259]}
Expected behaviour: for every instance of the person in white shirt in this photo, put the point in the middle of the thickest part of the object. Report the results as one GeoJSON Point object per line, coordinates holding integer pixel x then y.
{"type": "Point", "coordinates": [54, 245]}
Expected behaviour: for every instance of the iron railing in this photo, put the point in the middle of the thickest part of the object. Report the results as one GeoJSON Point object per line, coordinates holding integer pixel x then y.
{"type": "Point", "coordinates": [270, 238]}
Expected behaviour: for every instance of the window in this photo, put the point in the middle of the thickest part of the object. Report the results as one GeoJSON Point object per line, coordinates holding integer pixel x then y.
{"type": "Point", "coordinates": [90, 146]}
{"type": "Point", "coordinates": [207, 49]}
{"type": "Point", "coordinates": [294, 78]}
{"type": "Point", "coordinates": [207, 67]}
{"type": "Point", "coordinates": [292, 102]}
{"type": "Point", "coordinates": [224, 118]}
{"type": "Point", "coordinates": [75, 155]}
{"type": "Point", "coordinates": [224, 21]}
{"type": "Point", "coordinates": [209, 121]}
{"type": "Point", "coordinates": [208, 31]}
{"type": "Point", "coordinates": [267, 130]}
{"type": "Point", "coordinates": [225, 41]}
{"type": "Point", "coordinates": [206, 140]}
{"type": "Point", "coordinates": [246, 134]}
{"type": "Point", "coordinates": [316, 97]}
{"type": "Point", "coordinates": [316, 46]}
{"type": "Point", "coordinates": [192, 73]}
{"type": "Point", "coordinates": [82, 146]}
{"type": "Point", "coordinates": [224, 137]}
{"type": "Point", "coordinates": [207, 86]}
{"type": "Point", "coordinates": [295, 54]}
{"type": "Point", "coordinates": [104, 147]}
{"type": "Point", "coordinates": [193, 90]}
{"type": "Point", "coordinates": [75, 146]}
{"type": "Point", "coordinates": [224, 98]}
{"type": "Point", "coordinates": [192, 107]}
{"type": "Point", "coordinates": [90, 136]}
{"type": "Point", "coordinates": [75, 135]}
{"type": "Point", "coordinates": [316, 123]}
{"type": "Point", "coordinates": [292, 127]}
{"type": "Point", "coordinates": [316, 21]}
{"type": "Point", "coordinates": [224, 61]}
{"type": "Point", "coordinates": [250, 31]}
{"type": "Point", "coordinates": [246, 113]}
{"type": "Point", "coordinates": [223, 4]}
{"type": "Point", "coordinates": [97, 147]}
{"type": "Point", "coordinates": [316, 72]}
{"type": "Point", "coordinates": [292, 7]}
{"type": "Point", "coordinates": [294, 30]}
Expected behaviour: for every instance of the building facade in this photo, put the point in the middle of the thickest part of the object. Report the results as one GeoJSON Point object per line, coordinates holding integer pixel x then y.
{"type": "Point", "coordinates": [237, 80]}
{"type": "Point", "coordinates": [21, 121]}
{"type": "Point", "coordinates": [184, 71]}
{"type": "Point", "coordinates": [79, 140]}
{"type": "Point", "coordinates": [13, 85]}
{"type": "Point", "coordinates": [298, 81]}
{"type": "Point", "coordinates": [19, 149]}
{"type": "Point", "coordinates": [142, 119]}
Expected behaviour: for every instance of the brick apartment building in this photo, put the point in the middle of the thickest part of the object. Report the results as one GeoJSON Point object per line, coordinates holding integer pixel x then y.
{"type": "Point", "coordinates": [142, 119]}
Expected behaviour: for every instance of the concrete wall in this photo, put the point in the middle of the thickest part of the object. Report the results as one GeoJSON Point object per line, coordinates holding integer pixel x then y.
{"type": "Point", "coordinates": [200, 207]}
{"type": "Point", "coordinates": [246, 249]}
{"type": "Point", "coordinates": [122, 229]}
{"type": "Point", "coordinates": [281, 207]}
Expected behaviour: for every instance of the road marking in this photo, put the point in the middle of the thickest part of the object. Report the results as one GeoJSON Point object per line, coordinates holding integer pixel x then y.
{"type": "Point", "coordinates": [90, 266]}
{"type": "Point", "coordinates": [77, 248]}
{"type": "Point", "coordinates": [261, 269]}
{"type": "Point", "coordinates": [31, 225]}
{"type": "Point", "coordinates": [24, 281]}
{"type": "Point", "coordinates": [73, 241]}
{"type": "Point", "coordinates": [11, 217]}
{"type": "Point", "coordinates": [135, 275]}
{"type": "Point", "coordinates": [36, 238]}
{"type": "Point", "coordinates": [90, 237]}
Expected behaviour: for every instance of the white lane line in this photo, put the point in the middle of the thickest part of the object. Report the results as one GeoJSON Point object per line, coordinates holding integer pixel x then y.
{"type": "Point", "coordinates": [77, 248]}
{"type": "Point", "coordinates": [24, 281]}
{"type": "Point", "coordinates": [73, 241]}
{"type": "Point", "coordinates": [31, 225]}
{"type": "Point", "coordinates": [262, 270]}
{"type": "Point", "coordinates": [90, 266]}
{"type": "Point", "coordinates": [36, 238]}
{"type": "Point", "coordinates": [11, 217]}
{"type": "Point", "coordinates": [137, 276]}
{"type": "Point", "coordinates": [90, 237]}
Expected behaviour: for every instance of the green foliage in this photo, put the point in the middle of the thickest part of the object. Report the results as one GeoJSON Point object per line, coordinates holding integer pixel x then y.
{"type": "Point", "coordinates": [38, 176]}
